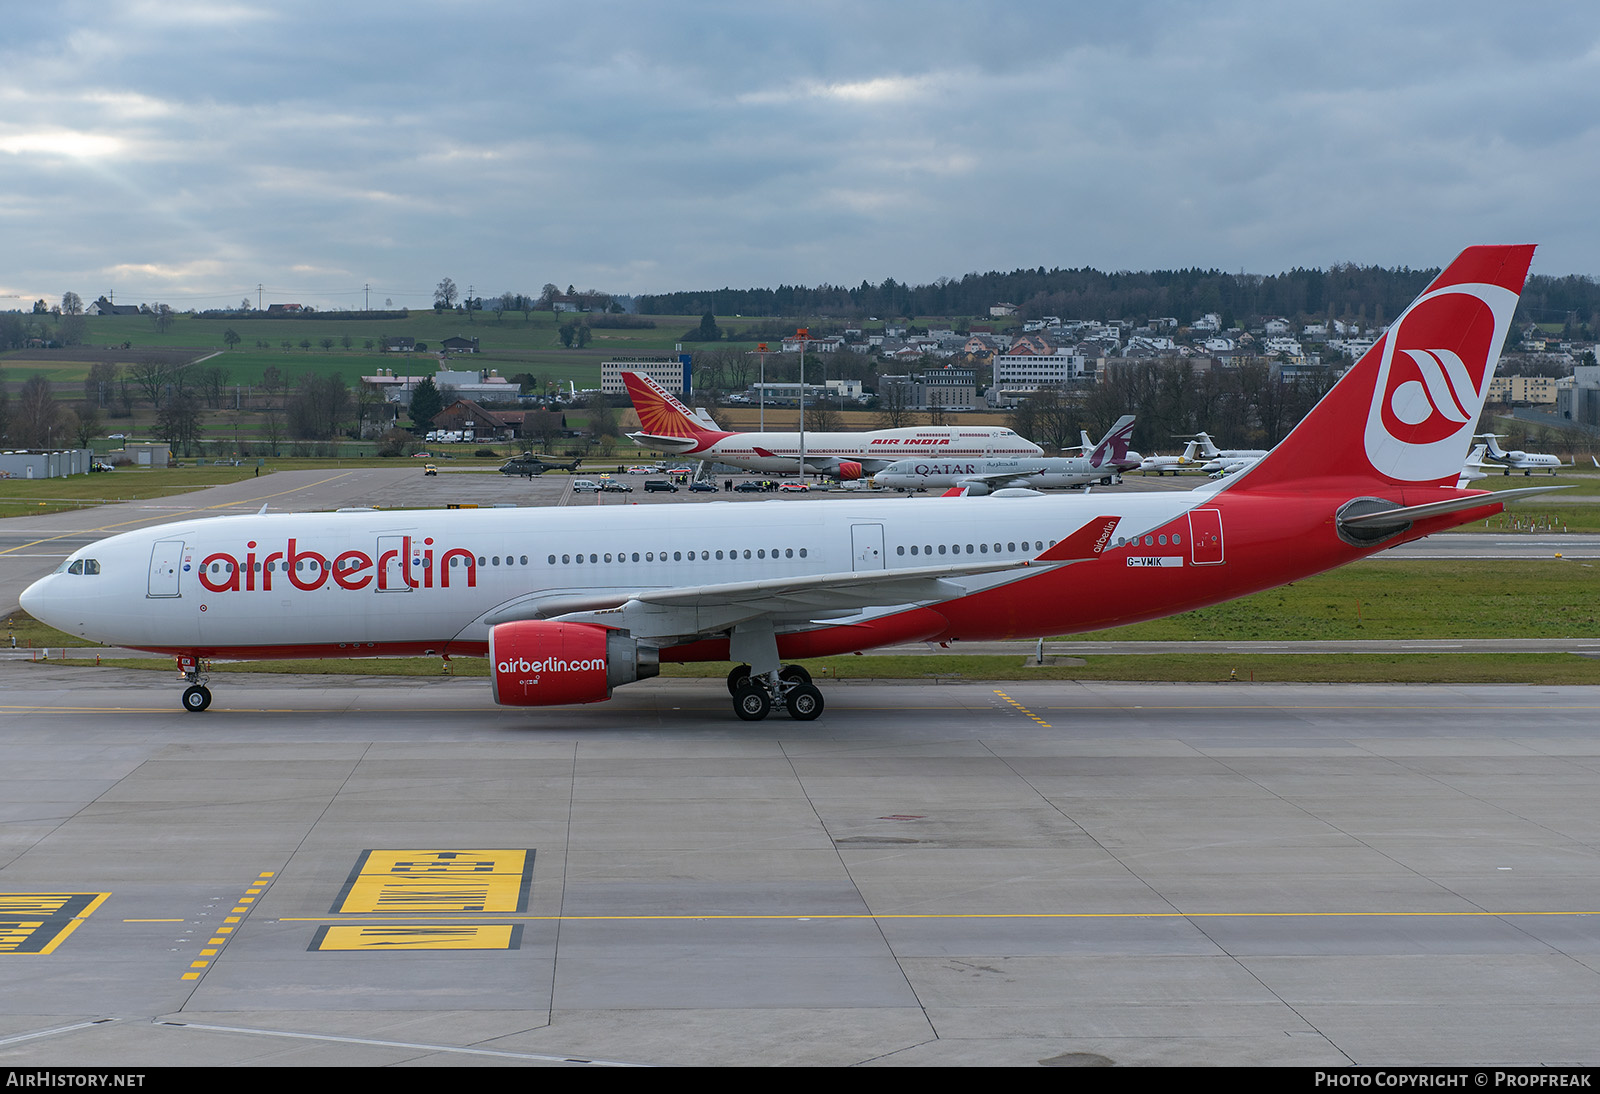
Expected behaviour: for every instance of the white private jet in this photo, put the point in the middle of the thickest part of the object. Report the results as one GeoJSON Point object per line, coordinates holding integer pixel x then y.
{"type": "Point", "coordinates": [1526, 462]}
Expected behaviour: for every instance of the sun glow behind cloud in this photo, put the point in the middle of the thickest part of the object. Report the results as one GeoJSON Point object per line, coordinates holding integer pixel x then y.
{"type": "Point", "coordinates": [61, 142]}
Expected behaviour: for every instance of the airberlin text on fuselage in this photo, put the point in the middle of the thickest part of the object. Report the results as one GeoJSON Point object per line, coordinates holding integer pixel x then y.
{"type": "Point", "coordinates": [353, 570]}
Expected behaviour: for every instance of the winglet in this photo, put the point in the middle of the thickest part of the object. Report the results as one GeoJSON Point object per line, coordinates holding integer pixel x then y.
{"type": "Point", "coordinates": [1087, 542]}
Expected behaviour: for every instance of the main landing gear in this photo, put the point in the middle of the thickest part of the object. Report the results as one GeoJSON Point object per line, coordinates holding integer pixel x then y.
{"type": "Point", "coordinates": [790, 688]}
{"type": "Point", "coordinates": [196, 697]}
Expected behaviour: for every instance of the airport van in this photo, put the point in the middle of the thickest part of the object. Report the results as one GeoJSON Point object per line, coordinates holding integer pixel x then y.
{"type": "Point", "coordinates": [587, 486]}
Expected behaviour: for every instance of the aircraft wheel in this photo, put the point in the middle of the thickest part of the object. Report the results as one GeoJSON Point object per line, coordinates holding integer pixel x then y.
{"type": "Point", "coordinates": [196, 699]}
{"type": "Point", "coordinates": [804, 702]}
{"type": "Point", "coordinates": [794, 674]}
{"type": "Point", "coordinates": [751, 703]}
{"type": "Point", "coordinates": [738, 675]}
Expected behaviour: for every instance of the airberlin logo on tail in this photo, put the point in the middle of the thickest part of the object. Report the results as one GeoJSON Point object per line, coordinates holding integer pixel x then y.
{"type": "Point", "coordinates": [1432, 379]}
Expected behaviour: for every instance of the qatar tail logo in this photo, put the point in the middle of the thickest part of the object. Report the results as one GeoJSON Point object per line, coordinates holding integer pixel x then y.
{"type": "Point", "coordinates": [1433, 376]}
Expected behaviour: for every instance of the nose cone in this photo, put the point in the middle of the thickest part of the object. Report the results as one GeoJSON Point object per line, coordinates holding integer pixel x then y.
{"type": "Point", "coordinates": [35, 599]}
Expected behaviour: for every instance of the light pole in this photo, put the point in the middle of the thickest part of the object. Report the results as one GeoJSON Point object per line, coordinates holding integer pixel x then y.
{"type": "Point", "coordinates": [803, 336]}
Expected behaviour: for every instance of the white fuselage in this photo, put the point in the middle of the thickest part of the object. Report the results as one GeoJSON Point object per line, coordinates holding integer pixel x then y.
{"type": "Point", "coordinates": [1038, 474]}
{"type": "Point", "coordinates": [779, 453]}
{"type": "Point", "coordinates": [365, 582]}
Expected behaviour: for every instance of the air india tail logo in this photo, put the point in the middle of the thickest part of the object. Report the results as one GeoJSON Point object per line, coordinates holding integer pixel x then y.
{"type": "Point", "coordinates": [1433, 376]}
{"type": "Point", "coordinates": [660, 414]}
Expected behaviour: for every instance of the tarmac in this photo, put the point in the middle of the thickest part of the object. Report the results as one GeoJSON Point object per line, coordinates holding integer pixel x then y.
{"type": "Point", "coordinates": [380, 872]}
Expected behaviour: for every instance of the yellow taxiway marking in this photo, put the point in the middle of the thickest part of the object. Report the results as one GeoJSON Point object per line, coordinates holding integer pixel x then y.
{"type": "Point", "coordinates": [218, 940]}
{"type": "Point", "coordinates": [34, 924]}
{"type": "Point", "coordinates": [239, 503]}
{"type": "Point", "coordinates": [1024, 709]}
{"type": "Point", "coordinates": [438, 880]}
{"type": "Point", "coordinates": [418, 936]}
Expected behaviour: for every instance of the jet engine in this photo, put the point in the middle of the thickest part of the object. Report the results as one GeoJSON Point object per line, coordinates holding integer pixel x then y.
{"type": "Point", "coordinates": [535, 663]}
{"type": "Point", "coordinates": [849, 470]}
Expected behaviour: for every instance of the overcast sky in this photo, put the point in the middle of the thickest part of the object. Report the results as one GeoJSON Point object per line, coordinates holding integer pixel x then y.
{"type": "Point", "coordinates": [186, 152]}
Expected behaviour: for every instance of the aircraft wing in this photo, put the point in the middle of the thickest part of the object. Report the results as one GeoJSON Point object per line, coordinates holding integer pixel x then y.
{"type": "Point", "coordinates": [703, 609]}
{"type": "Point", "coordinates": [992, 478]}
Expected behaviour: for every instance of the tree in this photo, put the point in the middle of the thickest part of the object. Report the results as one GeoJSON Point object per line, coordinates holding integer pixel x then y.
{"type": "Point", "coordinates": [444, 295]}
{"type": "Point", "coordinates": [230, 338]}
{"type": "Point", "coordinates": [178, 423]}
{"type": "Point", "coordinates": [72, 304]}
{"type": "Point", "coordinates": [89, 424]}
{"type": "Point", "coordinates": [426, 402]}
{"type": "Point", "coordinates": [35, 420]}
{"type": "Point", "coordinates": [100, 387]}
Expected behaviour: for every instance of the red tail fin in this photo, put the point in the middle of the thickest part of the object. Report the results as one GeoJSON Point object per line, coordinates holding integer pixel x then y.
{"type": "Point", "coordinates": [661, 415]}
{"type": "Point", "coordinates": [1403, 414]}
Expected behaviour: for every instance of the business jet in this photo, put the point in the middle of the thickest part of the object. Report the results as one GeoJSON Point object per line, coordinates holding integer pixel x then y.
{"type": "Point", "coordinates": [1102, 463]}
{"type": "Point", "coordinates": [666, 425]}
{"type": "Point", "coordinates": [1526, 462]}
{"type": "Point", "coordinates": [570, 603]}
{"type": "Point", "coordinates": [1185, 461]}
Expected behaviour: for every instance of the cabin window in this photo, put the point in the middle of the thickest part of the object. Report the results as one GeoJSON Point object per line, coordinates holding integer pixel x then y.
{"type": "Point", "coordinates": [552, 560]}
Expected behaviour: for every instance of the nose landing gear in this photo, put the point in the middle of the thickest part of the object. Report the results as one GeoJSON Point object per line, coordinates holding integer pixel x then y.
{"type": "Point", "coordinates": [196, 697]}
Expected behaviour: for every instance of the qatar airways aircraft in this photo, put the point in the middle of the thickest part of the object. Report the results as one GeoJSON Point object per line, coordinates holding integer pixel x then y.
{"type": "Point", "coordinates": [1104, 462]}
{"type": "Point", "coordinates": [571, 603]}
{"type": "Point", "coordinates": [667, 426]}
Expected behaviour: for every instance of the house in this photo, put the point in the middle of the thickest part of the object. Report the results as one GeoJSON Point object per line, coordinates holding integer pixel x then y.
{"type": "Point", "coordinates": [103, 306]}
{"type": "Point", "coordinates": [457, 344]}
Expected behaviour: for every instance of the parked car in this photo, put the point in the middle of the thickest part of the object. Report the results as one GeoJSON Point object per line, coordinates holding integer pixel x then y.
{"type": "Point", "coordinates": [612, 486]}
{"type": "Point", "coordinates": [659, 486]}
{"type": "Point", "coordinates": [700, 487]}
{"type": "Point", "coordinates": [793, 487]}
{"type": "Point", "coordinates": [749, 486]}
{"type": "Point", "coordinates": [585, 486]}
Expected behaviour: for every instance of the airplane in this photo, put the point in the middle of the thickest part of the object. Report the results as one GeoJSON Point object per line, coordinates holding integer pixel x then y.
{"type": "Point", "coordinates": [1103, 463]}
{"type": "Point", "coordinates": [1526, 462]}
{"type": "Point", "coordinates": [570, 603]}
{"type": "Point", "coordinates": [1473, 469]}
{"type": "Point", "coordinates": [528, 465]}
{"type": "Point", "coordinates": [1185, 461]}
{"type": "Point", "coordinates": [668, 426]}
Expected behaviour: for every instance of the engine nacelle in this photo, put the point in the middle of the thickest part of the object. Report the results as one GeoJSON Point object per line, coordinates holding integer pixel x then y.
{"type": "Point", "coordinates": [534, 663]}
{"type": "Point", "coordinates": [849, 470]}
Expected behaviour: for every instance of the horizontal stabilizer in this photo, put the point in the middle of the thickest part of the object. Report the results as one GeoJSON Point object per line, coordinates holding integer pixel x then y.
{"type": "Point", "coordinates": [1382, 518]}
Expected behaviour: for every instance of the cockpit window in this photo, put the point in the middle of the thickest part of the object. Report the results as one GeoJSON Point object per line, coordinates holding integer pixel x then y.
{"type": "Point", "coordinates": [76, 567]}
{"type": "Point", "coordinates": [83, 566]}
